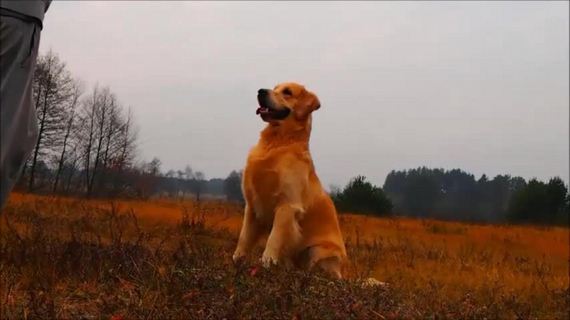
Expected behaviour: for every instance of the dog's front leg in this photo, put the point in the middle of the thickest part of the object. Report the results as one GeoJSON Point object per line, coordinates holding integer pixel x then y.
{"type": "Point", "coordinates": [285, 234]}
{"type": "Point", "coordinates": [248, 236]}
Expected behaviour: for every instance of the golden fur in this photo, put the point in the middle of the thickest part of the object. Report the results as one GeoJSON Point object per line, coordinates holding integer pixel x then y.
{"type": "Point", "coordinates": [285, 201]}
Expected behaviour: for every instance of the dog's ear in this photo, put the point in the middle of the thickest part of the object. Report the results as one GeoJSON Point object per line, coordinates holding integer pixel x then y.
{"type": "Point", "coordinates": [308, 103]}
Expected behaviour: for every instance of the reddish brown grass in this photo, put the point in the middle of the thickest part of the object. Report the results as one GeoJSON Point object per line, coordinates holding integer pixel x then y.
{"type": "Point", "coordinates": [433, 268]}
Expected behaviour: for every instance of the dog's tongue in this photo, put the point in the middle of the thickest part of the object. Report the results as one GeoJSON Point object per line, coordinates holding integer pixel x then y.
{"type": "Point", "coordinates": [261, 110]}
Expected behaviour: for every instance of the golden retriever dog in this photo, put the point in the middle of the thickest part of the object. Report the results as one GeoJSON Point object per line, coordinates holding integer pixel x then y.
{"type": "Point", "coordinates": [285, 201]}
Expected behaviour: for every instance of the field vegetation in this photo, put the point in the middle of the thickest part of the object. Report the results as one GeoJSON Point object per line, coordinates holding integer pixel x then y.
{"type": "Point", "coordinates": [122, 259]}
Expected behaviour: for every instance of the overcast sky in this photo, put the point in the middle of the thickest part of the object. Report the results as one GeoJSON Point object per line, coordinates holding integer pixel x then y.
{"type": "Point", "coordinates": [480, 86]}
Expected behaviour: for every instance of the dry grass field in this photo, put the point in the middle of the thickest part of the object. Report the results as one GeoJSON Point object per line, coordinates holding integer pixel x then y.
{"type": "Point", "coordinates": [69, 258]}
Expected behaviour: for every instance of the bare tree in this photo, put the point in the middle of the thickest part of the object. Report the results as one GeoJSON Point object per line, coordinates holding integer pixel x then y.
{"type": "Point", "coordinates": [102, 114]}
{"type": "Point", "coordinates": [126, 150]}
{"type": "Point", "coordinates": [77, 92]}
{"type": "Point", "coordinates": [53, 86]}
{"type": "Point", "coordinates": [87, 135]}
{"type": "Point", "coordinates": [127, 142]}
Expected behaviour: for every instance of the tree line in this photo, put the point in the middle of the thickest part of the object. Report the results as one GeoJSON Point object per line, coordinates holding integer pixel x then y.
{"type": "Point", "coordinates": [448, 195]}
{"type": "Point", "coordinates": [458, 195]}
{"type": "Point", "coordinates": [421, 193]}
{"type": "Point", "coordinates": [188, 183]}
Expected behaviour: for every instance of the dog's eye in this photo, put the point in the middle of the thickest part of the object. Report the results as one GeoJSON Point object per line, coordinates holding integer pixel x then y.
{"type": "Point", "coordinates": [287, 92]}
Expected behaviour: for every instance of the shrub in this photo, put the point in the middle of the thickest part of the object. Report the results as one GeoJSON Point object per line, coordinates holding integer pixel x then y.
{"type": "Point", "coordinates": [360, 196]}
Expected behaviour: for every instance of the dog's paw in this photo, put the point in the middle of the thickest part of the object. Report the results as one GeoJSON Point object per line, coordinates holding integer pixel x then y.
{"type": "Point", "coordinates": [371, 282]}
{"type": "Point", "coordinates": [268, 260]}
{"type": "Point", "coordinates": [238, 257]}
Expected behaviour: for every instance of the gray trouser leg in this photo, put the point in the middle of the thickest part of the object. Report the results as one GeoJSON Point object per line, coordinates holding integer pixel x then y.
{"type": "Point", "coordinates": [18, 124]}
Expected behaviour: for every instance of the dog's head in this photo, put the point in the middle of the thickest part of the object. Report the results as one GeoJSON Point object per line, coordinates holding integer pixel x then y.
{"type": "Point", "coordinates": [287, 102]}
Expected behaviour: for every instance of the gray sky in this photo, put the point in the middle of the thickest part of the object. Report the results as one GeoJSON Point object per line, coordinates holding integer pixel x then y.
{"type": "Point", "coordinates": [481, 86]}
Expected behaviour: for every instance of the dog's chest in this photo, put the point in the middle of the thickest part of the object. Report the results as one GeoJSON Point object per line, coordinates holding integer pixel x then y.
{"type": "Point", "coordinates": [261, 185]}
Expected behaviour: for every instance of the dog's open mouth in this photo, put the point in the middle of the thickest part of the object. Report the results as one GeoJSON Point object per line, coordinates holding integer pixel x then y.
{"type": "Point", "coordinates": [267, 113]}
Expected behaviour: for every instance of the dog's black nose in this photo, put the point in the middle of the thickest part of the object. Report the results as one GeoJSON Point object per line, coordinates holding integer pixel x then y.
{"type": "Point", "coordinates": [262, 92]}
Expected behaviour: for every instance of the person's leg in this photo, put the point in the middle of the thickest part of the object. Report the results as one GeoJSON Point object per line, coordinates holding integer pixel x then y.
{"type": "Point", "coordinates": [19, 42]}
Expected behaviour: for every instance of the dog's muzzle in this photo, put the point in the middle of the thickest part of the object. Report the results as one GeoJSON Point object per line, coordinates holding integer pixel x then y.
{"type": "Point", "coordinates": [268, 110]}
